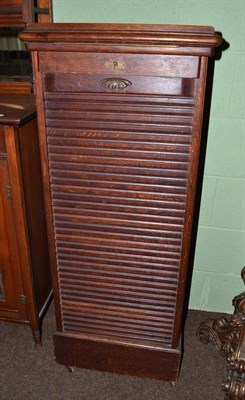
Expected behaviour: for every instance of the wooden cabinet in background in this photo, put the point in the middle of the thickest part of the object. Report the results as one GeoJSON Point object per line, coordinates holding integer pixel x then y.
{"type": "Point", "coordinates": [25, 282]}
{"type": "Point", "coordinates": [11, 13]}
{"type": "Point", "coordinates": [15, 62]}
{"type": "Point", "coordinates": [16, 13]}
{"type": "Point", "coordinates": [120, 114]}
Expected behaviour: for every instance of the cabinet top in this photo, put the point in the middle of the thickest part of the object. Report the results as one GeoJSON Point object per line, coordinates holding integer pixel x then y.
{"type": "Point", "coordinates": [16, 109]}
{"type": "Point", "coordinates": [167, 39]}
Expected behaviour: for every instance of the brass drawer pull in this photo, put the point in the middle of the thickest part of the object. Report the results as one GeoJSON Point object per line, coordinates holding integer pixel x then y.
{"type": "Point", "coordinates": [115, 83]}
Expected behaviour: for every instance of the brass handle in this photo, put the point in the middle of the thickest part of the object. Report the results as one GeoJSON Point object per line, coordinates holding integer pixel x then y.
{"type": "Point", "coordinates": [115, 83]}
{"type": "Point", "coordinates": [2, 291]}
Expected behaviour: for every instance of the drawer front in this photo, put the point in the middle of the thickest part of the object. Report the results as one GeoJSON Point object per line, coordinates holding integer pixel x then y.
{"type": "Point", "coordinates": [120, 64]}
{"type": "Point", "coordinates": [95, 83]}
{"type": "Point", "coordinates": [118, 166]}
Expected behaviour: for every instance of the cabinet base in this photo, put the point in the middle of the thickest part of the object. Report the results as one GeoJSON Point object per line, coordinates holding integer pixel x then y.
{"type": "Point", "coordinates": [162, 364]}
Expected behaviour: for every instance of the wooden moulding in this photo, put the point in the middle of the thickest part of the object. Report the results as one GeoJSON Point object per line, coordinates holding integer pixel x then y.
{"type": "Point", "coordinates": [167, 39]}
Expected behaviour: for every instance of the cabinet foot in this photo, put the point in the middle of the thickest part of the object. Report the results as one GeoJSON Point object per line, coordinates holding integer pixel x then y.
{"type": "Point", "coordinates": [37, 338]}
{"type": "Point", "coordinates": [70, 368]}
{"type": "Point", "coordinates": [229, 338]}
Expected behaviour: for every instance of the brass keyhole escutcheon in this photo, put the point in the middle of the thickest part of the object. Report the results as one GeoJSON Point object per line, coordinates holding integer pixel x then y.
{"type": "Point", "coordinates": [115, 65]}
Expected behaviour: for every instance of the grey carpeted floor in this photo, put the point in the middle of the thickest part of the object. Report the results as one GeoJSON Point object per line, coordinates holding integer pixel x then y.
{"type": "Point", "coordinates": [27, 373]}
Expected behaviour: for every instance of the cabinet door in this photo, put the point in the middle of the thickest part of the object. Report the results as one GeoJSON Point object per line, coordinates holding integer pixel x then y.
{"type": "Point", "coordinates": [11, 290]}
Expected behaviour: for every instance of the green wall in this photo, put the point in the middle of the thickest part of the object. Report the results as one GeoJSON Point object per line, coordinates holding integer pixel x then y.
{"type": "Point", "coordinates": [220, 249]}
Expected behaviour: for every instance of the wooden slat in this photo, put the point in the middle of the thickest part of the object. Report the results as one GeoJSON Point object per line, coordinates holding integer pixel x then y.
{"type": "Point", "coordinates": [118, 196]}
{"type": "Point", "coordinates": [165, 264]}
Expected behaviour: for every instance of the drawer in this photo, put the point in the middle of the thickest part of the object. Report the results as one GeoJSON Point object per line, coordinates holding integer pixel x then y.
{"type": "Point", "coordinates": [123, 64]}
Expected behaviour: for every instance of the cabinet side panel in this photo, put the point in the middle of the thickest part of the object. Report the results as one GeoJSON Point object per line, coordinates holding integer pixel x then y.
{"type": "Point", "coordinates": [32, 184]}
{"type": "Point", "coordinates": [199, 96]}
{"type": "Point", "coordinates": [46, 187]}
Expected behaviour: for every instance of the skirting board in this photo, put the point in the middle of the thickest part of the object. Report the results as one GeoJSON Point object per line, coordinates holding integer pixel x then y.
{"type": "Point", "coordinates": [162, 364]}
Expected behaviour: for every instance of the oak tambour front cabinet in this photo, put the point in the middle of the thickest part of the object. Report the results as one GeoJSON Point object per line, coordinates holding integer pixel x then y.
{"type": "Point", "coordinates": [120, 111]}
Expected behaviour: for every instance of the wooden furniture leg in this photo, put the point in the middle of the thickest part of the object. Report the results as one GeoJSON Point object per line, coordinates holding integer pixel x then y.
{"type": "Point", "coordinates": [229, 338]}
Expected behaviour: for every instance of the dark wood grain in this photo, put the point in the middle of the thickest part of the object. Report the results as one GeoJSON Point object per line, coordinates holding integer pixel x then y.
{"type": "Point", "coordinates": [119, 64]}
{"type": "Point", "coordinates": [119, 164]}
